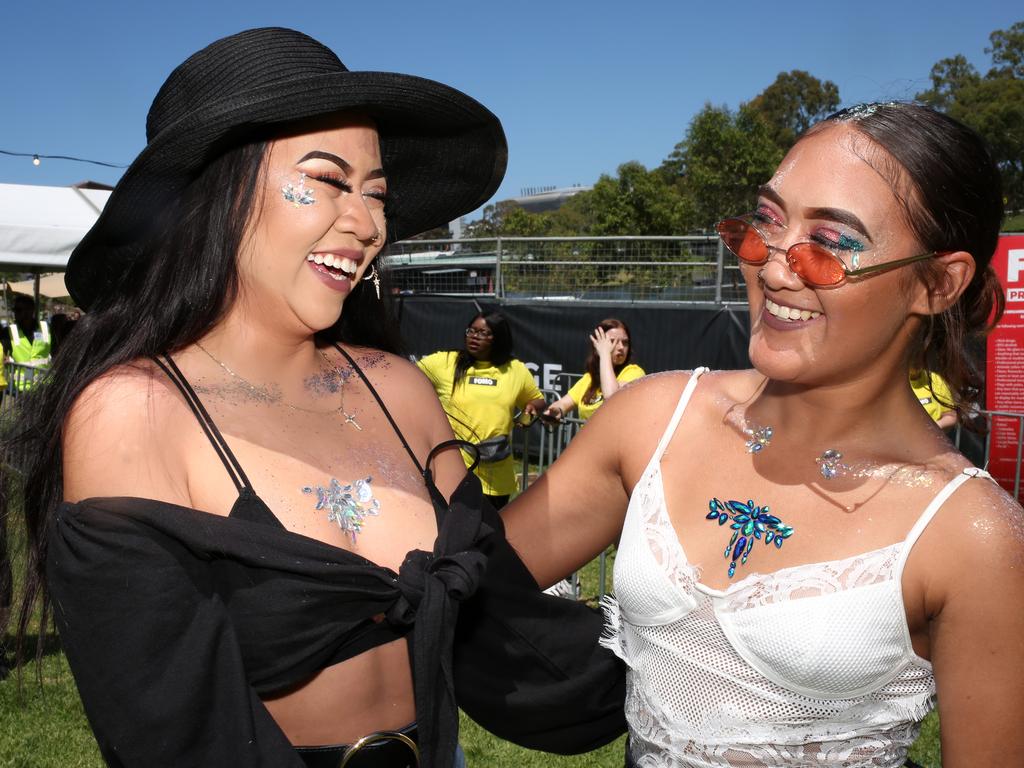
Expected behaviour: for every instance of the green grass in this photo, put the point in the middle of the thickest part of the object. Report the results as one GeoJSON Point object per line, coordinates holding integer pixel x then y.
{"type": "Point", "coordinates": [45, 727]}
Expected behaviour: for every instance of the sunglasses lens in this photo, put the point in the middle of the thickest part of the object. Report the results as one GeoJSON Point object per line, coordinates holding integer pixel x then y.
{"type": "Point", "coordinates": [815, 266]}
{"type": "Point", "coordinates": [743, 240]}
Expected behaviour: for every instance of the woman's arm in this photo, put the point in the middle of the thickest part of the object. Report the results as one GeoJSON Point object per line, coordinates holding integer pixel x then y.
{"type": "Point", "coordinates": [559, 409]}
{"type": "Point", "coordinates": [576, 507]}
{"type": "Point", "coordinates": [606, 368]}
{"type": "Point", "coordinates": [976, 627]}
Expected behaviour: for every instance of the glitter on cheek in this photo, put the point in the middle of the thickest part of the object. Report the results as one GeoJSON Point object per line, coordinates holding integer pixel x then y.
{"type": "Point", "coordinates": [298, 194]}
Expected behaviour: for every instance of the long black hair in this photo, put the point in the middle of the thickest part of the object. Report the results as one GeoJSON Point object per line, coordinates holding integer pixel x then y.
{"type": "Point", "coordinates": [183, 285]}
{"type": "Point", "coordinates": [950, 189]}
{"type": "Point", "coordinates": [501, 345]}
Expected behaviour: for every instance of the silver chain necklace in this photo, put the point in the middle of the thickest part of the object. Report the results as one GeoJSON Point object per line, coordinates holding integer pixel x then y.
{"type": "Point", "coordinates": [263, 394]}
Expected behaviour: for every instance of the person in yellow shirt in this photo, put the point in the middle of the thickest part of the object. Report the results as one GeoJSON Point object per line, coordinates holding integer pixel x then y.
{"type": "Point", "coordinates": [481, 387]}
{"type": "Point", "coordinates": [607, 368]}
{"type": "Point", "coordinates": [934, 394]}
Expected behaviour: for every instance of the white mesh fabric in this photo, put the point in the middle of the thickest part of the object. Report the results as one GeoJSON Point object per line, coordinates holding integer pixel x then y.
{"type": "Point", "coordinates": [810, 666]}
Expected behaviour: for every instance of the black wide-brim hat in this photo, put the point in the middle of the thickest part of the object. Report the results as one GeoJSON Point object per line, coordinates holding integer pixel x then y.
{"type": "Point", "coordinates": [443, 152]}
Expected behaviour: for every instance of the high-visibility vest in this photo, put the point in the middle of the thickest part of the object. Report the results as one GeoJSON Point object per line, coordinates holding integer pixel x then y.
{"type": "Point", "coordinates": [27, 350]}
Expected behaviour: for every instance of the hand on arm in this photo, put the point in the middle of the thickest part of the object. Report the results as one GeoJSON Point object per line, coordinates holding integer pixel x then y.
{"type": "Point", "coordinates": [559, 409]}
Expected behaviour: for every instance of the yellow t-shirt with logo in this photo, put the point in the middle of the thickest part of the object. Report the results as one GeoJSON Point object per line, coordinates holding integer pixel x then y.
{"type": "Point", "coordinates": [629, 373]}
{"type": "Point", "coordinates": [919, 382]}
{"type": "Point", "coordinates": [482, 406]}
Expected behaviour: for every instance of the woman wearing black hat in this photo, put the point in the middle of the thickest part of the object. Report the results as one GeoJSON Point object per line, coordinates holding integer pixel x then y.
{"type": "Point", "coordinates": [235, 490]}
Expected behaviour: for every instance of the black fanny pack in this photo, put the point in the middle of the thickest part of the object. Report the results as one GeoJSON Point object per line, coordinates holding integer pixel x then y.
{"type": "Point", "coordinates": [494, 449]}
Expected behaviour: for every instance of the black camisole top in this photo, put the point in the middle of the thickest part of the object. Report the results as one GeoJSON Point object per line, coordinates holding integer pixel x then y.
{"type": "Point", "coordinates": [176, 622]}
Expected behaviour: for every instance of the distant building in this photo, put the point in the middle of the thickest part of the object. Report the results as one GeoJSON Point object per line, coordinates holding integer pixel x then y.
{"type": "Point", "coordinates": [541, 199]}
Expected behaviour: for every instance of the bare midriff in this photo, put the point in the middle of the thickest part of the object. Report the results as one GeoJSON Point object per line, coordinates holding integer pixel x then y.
{"type": "Point", "coordinates": [371, 692]}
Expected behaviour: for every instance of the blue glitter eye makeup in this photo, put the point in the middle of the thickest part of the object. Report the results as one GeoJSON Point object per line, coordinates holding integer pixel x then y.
{"type": "Point", "coordinates": [848, 243]}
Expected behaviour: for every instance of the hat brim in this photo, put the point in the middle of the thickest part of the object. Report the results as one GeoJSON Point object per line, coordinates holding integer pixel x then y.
{"type": "Point", "coordinates": [443, 152]}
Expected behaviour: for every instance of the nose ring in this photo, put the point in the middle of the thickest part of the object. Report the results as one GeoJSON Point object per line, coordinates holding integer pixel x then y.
{"type": "Point", "coordinates": [760, 275]}
{"type": "Point", "coordinates": [376, 237]}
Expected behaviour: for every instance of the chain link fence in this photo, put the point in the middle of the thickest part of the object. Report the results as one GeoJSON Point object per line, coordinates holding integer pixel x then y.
{"type": "Point", "coordinates": [692, 269]}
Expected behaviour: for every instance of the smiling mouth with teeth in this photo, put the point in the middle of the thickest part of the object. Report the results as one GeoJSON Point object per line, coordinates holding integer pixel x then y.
{"type": "Point", "coordinates": [337, 267]}
{"type": "Point", "coordinates": [789, 314]}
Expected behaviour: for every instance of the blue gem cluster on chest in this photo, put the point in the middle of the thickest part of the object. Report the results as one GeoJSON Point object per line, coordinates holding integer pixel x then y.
{"type": "Point", "coordinates": [749, 523]}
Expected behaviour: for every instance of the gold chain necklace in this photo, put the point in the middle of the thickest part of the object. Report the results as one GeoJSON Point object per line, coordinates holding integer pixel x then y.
{"type": "Point", "coordinates": [266, 396]}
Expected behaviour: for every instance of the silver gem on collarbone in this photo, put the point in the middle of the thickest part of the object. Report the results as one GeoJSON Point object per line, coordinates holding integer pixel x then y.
{"type": "Point", "coordinates": [347, 505]}
{"type": "Point", "coordinates": [831, 465]}
{"type": "Point", "coordinates": [298, 194]}
{"type": "Point", "coordinates": [759, 437]}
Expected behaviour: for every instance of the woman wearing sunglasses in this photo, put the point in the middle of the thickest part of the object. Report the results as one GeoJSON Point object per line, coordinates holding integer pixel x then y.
{"type": "Point", "coordinates": [806, 563]}
{"type": "Point", "coordinates": [481, 387]}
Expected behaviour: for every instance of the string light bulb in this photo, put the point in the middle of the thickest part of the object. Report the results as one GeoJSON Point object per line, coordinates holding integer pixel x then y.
{"type": "Point", "coordinates": [35, 160]}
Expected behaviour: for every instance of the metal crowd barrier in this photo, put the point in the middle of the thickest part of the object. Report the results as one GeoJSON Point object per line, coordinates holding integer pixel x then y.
{"type": "Point", "coordinates": [20, 377]}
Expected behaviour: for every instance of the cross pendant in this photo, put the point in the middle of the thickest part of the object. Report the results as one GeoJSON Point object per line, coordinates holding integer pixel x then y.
{"type": "Point", "coordinates": [350, 418]}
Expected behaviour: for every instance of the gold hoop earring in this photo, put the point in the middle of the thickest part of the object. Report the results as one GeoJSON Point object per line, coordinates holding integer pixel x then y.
{"type": "Point", "coordinates": [375, 278]}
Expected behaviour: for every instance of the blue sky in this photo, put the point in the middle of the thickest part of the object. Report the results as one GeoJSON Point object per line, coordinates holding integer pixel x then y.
{"type": "Point", "coordinates": [580, 86]}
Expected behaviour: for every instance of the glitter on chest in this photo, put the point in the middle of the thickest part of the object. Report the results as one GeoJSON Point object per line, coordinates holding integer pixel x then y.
{"type": "Point", "coordinates": [347, 505]}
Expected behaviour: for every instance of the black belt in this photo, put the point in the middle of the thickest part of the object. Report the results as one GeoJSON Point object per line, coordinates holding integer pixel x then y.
{"type": "Point", "coordinates": [383, 749]}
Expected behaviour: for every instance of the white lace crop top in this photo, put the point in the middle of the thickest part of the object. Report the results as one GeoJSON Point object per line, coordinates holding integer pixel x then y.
{"type": "Point", "coordinates": [806, 666]}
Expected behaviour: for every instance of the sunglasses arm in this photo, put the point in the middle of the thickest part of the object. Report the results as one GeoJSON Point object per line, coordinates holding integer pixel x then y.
{"type": "Point", "coordinates": [887, 265]}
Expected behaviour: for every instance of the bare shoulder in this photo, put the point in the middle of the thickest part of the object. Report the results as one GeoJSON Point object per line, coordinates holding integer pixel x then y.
{"type": "Point", "coordinates": [657, 394]}
{"type": "Point", "coordinates": [390, 373]}
{"type": "Point", "coordinates": [130, 396]}
{"type": "Point", "coordinates": [976, 542]}
{"type": "Point", "coordinates": [120, 427]}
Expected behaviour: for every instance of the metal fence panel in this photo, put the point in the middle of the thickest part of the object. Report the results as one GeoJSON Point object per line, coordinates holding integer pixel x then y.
{"type": "Point", "coordinates": [627, 269]}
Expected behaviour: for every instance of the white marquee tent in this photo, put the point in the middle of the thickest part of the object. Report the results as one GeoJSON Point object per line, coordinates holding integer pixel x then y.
{"type": "Point", "coordinates": [40, 226]}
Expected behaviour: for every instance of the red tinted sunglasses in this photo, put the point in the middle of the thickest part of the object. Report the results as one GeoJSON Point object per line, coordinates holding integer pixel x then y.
{"type": "Point", "coordinates": [812, 262]}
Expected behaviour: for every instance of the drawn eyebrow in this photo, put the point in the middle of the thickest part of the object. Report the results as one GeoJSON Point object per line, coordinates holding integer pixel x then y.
{"type": "Point", "coordinates": [837, 215]}
{"type": "Point", "coordinates": [840, 216]}
{"type": "Point", "coordinates": [376, 173]}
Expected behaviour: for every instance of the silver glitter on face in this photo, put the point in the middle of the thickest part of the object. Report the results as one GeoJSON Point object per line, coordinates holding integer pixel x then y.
{"type": "Point", "coordinates": [298, 194]}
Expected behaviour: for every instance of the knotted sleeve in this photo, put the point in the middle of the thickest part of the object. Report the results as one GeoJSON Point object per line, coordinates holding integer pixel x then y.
{"type": "Point", "coordinates": [152, 649]}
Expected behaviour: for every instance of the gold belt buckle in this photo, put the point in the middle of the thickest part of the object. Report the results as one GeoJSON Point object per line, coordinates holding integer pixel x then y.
{"type": "Point", "coordinates": [379, 736]}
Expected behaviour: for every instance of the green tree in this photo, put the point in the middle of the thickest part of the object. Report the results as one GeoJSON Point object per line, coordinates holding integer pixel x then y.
{"type": "Point", "coordinates": [634, 202]}
{"type": "Point", "coordinates": [793, 103]}
{"type": "Point", "coordinates": [721, 162]}
{"type": "Point", "coordinates": [993, 105]}
{"type": "Point", "coordinates": [1007, 51]}
{"type": "Point", "coordinates": [949, 76]}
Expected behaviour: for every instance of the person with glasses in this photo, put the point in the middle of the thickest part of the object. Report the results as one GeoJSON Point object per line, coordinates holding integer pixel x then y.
{"type": "Point", "coordinates": [482, 387]}
{"type": "Point", "coordinates": [608, 367]}
{"type": "Point", "coordinates": [805, 563]}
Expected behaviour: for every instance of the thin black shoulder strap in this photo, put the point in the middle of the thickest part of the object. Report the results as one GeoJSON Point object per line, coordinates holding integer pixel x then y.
{"type": "Point", "coordinates": [384, 408]}
{"type": "Point", "coordinates": [217, 440]}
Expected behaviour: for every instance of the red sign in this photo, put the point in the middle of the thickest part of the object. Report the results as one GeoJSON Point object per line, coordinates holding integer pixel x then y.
{"type": "Point", "coordinates": [1004, 387]}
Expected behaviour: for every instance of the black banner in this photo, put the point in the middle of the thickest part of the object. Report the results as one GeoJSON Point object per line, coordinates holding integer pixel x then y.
{"type": "Point", "coordinates": [552, 338]}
